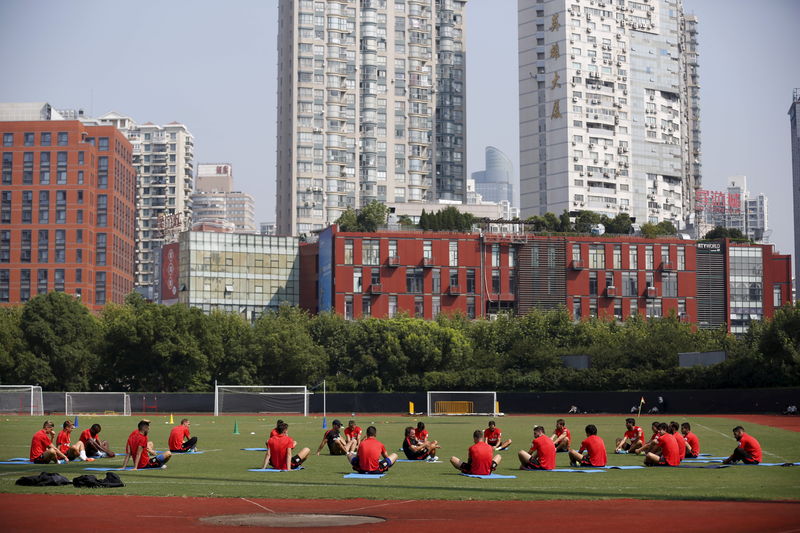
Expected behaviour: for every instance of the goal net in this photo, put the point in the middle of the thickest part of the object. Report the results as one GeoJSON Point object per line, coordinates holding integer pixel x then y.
{"type": "Point", "coordinates": [462, 403]}
{"type": "Point", "coordinates": [260, 399]}
{"type": "Point", "coordinates": [21, 400]}
{"type": "Point", "coordinates": [97, 403]}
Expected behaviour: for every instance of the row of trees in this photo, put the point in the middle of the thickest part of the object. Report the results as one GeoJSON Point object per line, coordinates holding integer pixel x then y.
{"type": "Point", "coordinates": [55, 342]}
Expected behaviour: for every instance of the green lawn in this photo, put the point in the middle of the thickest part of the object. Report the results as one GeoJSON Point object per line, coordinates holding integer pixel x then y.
{"type": "Point", "coordinates": [222, 470]}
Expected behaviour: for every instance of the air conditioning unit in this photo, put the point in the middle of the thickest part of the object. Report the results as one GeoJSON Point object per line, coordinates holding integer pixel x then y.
{"type": "Point", "coordinates": [594, 60]}
{"type": "Point", "coordinates": [575, 158]}
{"type": "Point", "coordinates": [574, 98]}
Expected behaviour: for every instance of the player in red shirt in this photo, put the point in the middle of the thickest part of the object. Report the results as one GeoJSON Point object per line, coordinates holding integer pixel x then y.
{"type": "Point", "coordinates": [652, 444]}
{"type": "Point", "coordinates": [691, 440]}
{"type": "Point", "coordinates": [542, 455]}
{"type": "Point", "coordinates": [352, 436]}
{"type": "Point", "coordinates": [633, 438]}
{"type": "Point", "coordinates": [72, 451]}
{"type": "Point", "coordinates": [675, 431]}
{"type": "Point", "coordinates": [562, 437]}
{"type": "Point", "coordinates": [594, 448]}
{"type": "Point", "coordinates": [371, 457]}
{"type": "Point", "coordinates": [180, 439]}
{"type": "Point", "coordinates": [665, 453]}
{"type": "Point", "coordinates": [481, 460]}
{"type": "Point", "coordinates": [416, 450]}
{"type": "Point", "coordinates": [42, 449]}
{"type": "Point", "coordinates": [747, 451]}
{"type": "Point", "coordinates": [141, 450]}
{"type": "Point", "coordinates": [279, 451]}
{"type": "Point", "coordinates": [93, 445]}
{"type": "Point", "coordinates": [494, 437]}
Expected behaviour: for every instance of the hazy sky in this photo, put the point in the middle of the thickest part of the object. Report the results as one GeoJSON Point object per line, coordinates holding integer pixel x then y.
{"type": "Point", "coordinates": [212, 65]}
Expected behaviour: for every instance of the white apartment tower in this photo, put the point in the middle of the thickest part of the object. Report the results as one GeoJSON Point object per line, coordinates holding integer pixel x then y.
{"type": "Point", "coordinates": [164, 159]}
{"type": "Point", "coordinates": [609, 108]}
{"type": "Point", "coordinates": [214, 199]}
{"type": "Point", "coordinates": [371, 106]}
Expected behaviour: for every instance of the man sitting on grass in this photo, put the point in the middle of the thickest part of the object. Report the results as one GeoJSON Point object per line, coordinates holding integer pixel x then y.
{"type": "Point", "coordinates": [632, 440]}
{"type": "Point", "coordinates": [747, 451]}
{"type": "Point", "coordinates": [334, 440]}
{"type": "Point", "coordinates": [371, 457]}
{"type": "Point", "coordinates": [542, 455]}
{"type": "Point", "coordinates": [651, 444]}
{"type": "Point", "coordinates": [480, 460]}
{"type": "Point", "coordinates": [494, 437]}
{"type": "Point", "coordinates": [180, 439]}
{"type": "Point", "coordinates": [94, 446]}
{"type": "Point", "coordinates": [562, 437]}
{"type": "Point", "coordinates": [665, 450]}
{"type": "Point", "coordinates": [279, 451]}
{"type": "Point", "coordinates": [675, 431]}
{"type": "Point", "coordinates": [416, 450]}
{"type": "Point", "coordinates": [42, 449]}
{"type": "Point", "coordinates": [691, 440]}
{"type": "Point", "coordinates": [352, 436]}
{"type": "Point", "coordinates": [141, 450]}
{"type": "Point", "coordinates": [592, 451]}
{"type": "Point", "coordinates": [72, 451]}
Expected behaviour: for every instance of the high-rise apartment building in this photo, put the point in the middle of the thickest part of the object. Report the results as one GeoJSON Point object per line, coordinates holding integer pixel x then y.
{"type": "Point", "coordinates": [496, 182]}
{"type": "Point", "coordinates": [66, 208]}
{"type": "Point", "coordinates": [794, 116]}
{"type": "Point", "coordinates": [214, 199]}
{"type": "Point", "coordinates": [734, 209]}
{"type": "Point", "coordinates": [163, 157]}
{"type": "Point", "coordinates": [609, 107]}
{"type": "Point", "coordinates": [371, 106]}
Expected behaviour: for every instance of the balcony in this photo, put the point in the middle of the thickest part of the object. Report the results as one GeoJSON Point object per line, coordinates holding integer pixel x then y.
{"type": "Point", "coordinates": [667, 265]}
{"type": "Point", "coordinates": [393, 261]}
{"type": "Point", "coordinates": [427, 262]}
{"type": "Point", "coordinates": [611, 292]}
{"type": "Point", "coordinates": [577, 264]}
{"type": "Point", "coordinates": [375, 289]}
{"type": "Point", "coordinates": [651, 292]}
{"type": "Point", "coordinates": [454, 290]}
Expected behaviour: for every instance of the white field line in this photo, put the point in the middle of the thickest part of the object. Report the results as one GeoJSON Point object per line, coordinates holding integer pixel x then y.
{"type": "Point", "coordinates": [258, 505]}
{"type": "Point", "coordinates": [373, 506]}
{"type": "Point", "coordinates": [731, 438]}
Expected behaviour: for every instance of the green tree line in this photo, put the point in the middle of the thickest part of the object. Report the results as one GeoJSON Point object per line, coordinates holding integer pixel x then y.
{"type": "Point", "coordinates": [55, 342]}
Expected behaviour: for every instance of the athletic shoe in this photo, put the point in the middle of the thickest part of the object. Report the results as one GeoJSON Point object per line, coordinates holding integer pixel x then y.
{"type": "Point", "coordinates": [163, 467]}
{"type": "Point", "coordinates": [89, 459]}
{"type": "Point", "coordinates": [573, 464]}
{"type": "Point", "coordinates": [432, 459]}
{"type": "Point", "coordinates": [620, 452]}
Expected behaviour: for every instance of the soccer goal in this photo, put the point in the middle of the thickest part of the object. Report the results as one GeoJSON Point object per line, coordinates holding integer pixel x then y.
{"type": "Point", "coordinates": [462, 403]}
{"type": "Point", "coordinates": [97, 403]}
{"type": "Point", "coordinates": [261, 399]}
{"type": "Point", "coordinates": [21, 400]}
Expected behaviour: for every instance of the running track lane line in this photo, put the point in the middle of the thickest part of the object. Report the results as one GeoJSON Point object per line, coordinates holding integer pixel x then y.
{"type": "Point", "coordinates": [379, 505]}
{"type": "Point", "coordinates": [731, 438]}
{"type": "Point", "coordinates": [258, 505]}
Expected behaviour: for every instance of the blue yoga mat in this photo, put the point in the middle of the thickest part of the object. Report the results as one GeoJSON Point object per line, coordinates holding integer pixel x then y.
{"type": "Point", "coordinates": [696, 461]}
{"type": "Point", "coordinates": [16, 462]}
{"type": "Point", "coordinates": [23, 459]}
{"type": "Point", "coordinates": [490, 476]}
{"type": "Point", "coordinates": [415, 461]}
{"type": "Point", "coordinates": [272, 470]}
{"type": "Point", "coordinates": [188, 453]}
{"type": "Point", "coordinates": [631, 467]}
{"type": "Point", "coordinates": [702, 466]}
{"type": "Point", "coordinates": [110, 469]}
{"type": "Point", "coordinates": [362, 476]}
{"type": "Point", "coordinates": [778, 464]}
{"type": "Point", "coordinates": [254, 449]}
{"type": "Point", "coordinates": [584, 470]}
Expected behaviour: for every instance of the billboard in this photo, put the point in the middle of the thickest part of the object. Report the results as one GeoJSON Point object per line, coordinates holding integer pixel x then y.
{"type": "Point", "coordinates": [169, 273]}
{"type": "Point", "coordinates": [325, 291]}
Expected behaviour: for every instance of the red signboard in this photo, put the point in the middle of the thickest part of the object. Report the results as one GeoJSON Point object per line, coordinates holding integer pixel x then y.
{"type": "Point", "coordinates": [169, 273]}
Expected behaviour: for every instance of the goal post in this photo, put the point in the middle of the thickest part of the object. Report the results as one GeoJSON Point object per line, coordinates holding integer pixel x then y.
{"type": "Point", "coordinates": [97, 403]}
{"type": "Point", "coordinates": [21, 400]}
{"type": "Point", "coordinates": [289, 399]}
{"type": "Point", "coordinates": [462, 403]}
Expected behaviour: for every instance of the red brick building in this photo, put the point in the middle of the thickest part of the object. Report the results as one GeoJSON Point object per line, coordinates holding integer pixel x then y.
{"type": "Point", "coordinates": [480, 274]}
{"type": "Point", "coordinates": [67, 198]}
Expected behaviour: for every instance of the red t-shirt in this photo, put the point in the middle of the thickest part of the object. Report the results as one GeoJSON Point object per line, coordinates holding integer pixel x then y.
{"type": "Point", "coordinates": [492, 436]}
{"type": "Point", "coordinates": [680, 443]}
{"type": "Point", "coordinates": [694, 442]}
{"type": "Point", "coordinates": [597, 450]}
{"type": "Point", "coordinates": [370, 452]}
{"type": "Point", "coordinates": [135, 441]}
{"type": "Point", "coordinates": [669, 449]}
{"type": "Point", "coordinates": [39, 443]}
{"type": "Point", "coordinates": [176, 437]}
{"type": "Point", "coordinates": [560, 431]}
{"type": "Point", "coordinates": [635, 434]}
{"type": "Point", "coordinates": [751, 446]}
{"type": "Point", "coordinates": [480, 459]}
{"type": "Point", "coordinates": [278, 445]}
{"type": "Point", "coordinates": [352, 433]}
{"type": "Point", "coordinates": [421, 436]}
{"type": "Point", "coordinates": [273, 433]}
{"type": "Point", "coordinates": [546, 451]}
{"type": "Point", "coordinates": [62, 441]}
{"type": "Point", "coordinates": [85, 435]}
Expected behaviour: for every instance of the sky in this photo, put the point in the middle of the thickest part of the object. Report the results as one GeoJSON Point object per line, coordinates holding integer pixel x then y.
{"type": "Point", "coordinates": [213, 66]}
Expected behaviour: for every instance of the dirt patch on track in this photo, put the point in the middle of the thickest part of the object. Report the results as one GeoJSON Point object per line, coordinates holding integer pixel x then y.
{"type": "Point", "coordinates": [23, 512]}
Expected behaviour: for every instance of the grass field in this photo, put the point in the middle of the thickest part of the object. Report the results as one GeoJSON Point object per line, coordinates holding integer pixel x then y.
{"type": "Point", "coordinates": [222, 470]}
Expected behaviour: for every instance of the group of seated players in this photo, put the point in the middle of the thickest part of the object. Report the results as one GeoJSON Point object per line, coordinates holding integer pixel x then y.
{"type": "Point", "coordinates": [90, 447]}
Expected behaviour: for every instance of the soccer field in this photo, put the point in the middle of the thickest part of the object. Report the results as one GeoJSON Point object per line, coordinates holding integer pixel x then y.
{"type": "Point", "coordinates": [223, 469]}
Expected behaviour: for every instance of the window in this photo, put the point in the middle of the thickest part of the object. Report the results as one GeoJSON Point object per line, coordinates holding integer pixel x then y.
{"type": "Point", "coordinates": [436, 306]}
{"type": "Point", "coordinates": [664, 254]}
{"type": "Point", "coordinates": [436, 279]}
{"type": "Point", "coordinates": [618, 309]}
{"type": "Point", "coordinates": [470, 307]}
{"type": "Point", "coordinates": [495, 255]}
{"type": "Point", "coordinates": [648, 257]}
{"type": "Point", "coordinates": [681, 258]}
{"type": "Point", "coordinates": [593, 307]}
{"type": "Point", "coordinates": [414, 280]}
{"type": "Point", "coordinates": [375, 276]}
{"type": "Point", "coordinates": [630, 284]}
{"type": "Point", "coordinates": [44, 207]}
{"type": "Point", "coordinates": [58, 280]}
{"type": "Point", "coordinates": [102, 210]}
{"type": "Point", "coordinates": [45, 138]}
{"type": "Point", "coordinates": [29, 139]}
{"type": "Point", "coordinates": [61, 168]}
{"type": "Point", "coordinates": [5, 277]}
{"type": "Point", "coordinates": [633, 257]}
{"type": "Point", "coordinates": [5, 207]}
{"type": "Point", "coordinates": [576, 308]}
{"type": "Point", "coordinates": [427, 250]}
{"type": "Point", "coordinates": [100, 288]}
{"type": "Point", "coordinates": [24, 285]}
{"type": "Point", "coordinates": [576, 252]}
{"type": "Point", "coordinates": [453, 246]}
{"type": "Point", "coordinates": [102, 144]}
{"type": "Point", "coordinates": [61, 207]}
{"type": "Point", "coordinates": [5, 246]}
{"type": "Point", "coordinates": [63, 138]}
{"type": "Point", "coordinates": [654, 308]}
{"type": "Point", "coordinates": [25, 248]}
{"type": "Point", "coordinates": [597, 256]}
{"type": "Point", "coordinates": [512, 257]}
{"type": "Point", "coordinates": [419, 307]}
{"type": "Point", "coordinates": [370, 252]}
{"type": "Point", "coordinates": [617, 256]}
{"type": "Point", "coordinates": [454, 278]}
{"type": "Point", "coordinates": [348, 251]}
{"type": "Point", "coordinates": [8, 139]}
{"type": "Point", "coordinates": [357, 285]}
{"type": "Point", "coordinates": [496, 281]}
{"type": "Point", "coordinates": [392, 306]}
{"type": "Point", "coordinates": [471, 280]}
{"type": "Point", "coordinates": [669, 282]}
{"type": "Point", "coordinates": [102, 172]}
{"type": "Point", "coordinates": [593, 283]}
{"type": "Point", "coordinates": [41, 281]}
{"type": "Point", "coordinates": [366, 307]}
{"type": "Point", "coordinates": [44, 169]}
{"type": "Point", "coordinates": [681, 307]}
{"type": "Point", "coordinates": [8, 166]}
{"type": "Point", "coordinates": [27, 207]}
{"type": "Point", "coordinates": [61, 246]}
{"type": "Point", "coordinates": [634, 307]}
{"type": "Point", "coordinates": [776, 296]}
{"type": "Point", "coordinates": [100, 249]}
{"type": "Point", "coordinates": [393, 249]}
{"type": "Point", "coordinates": [348, 307]}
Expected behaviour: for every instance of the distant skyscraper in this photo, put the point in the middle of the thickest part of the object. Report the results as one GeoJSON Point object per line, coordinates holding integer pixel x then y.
{"type": "Point", "coordinates": [794, 116]}
{"type": "Point", "coordinates": [734, 209]}
{"type": "Point", "coordinates": [214, 199]}
{"type": "Point", "coordinates": [496, 182]}
{"type": "Point", "coordinates": [371, 106]}
{"type": "Point", "coordinates": [609, 108]}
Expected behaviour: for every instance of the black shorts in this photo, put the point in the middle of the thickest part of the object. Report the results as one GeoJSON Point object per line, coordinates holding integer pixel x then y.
{"type": "Point", "coordinates": [585, 461]}
{"type": "Point", "coordinates": [383, 465]}
{"type": "Point", "coordinates": [41, 460]}
{"type": "Point", "coordinates": [690, 455]}
{"type": "Point", "coordinates": [533, 464]}
{"type": "Point", "coordinates": [662, 462]}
